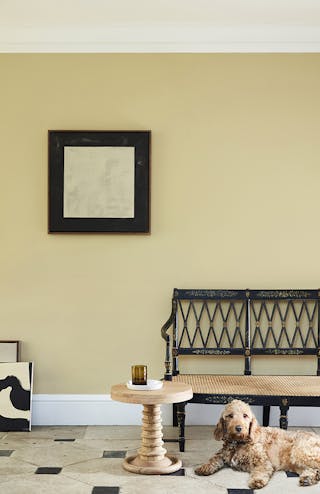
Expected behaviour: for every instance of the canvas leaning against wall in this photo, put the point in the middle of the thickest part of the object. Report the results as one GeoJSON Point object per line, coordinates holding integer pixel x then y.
{"type": "Point", "coordinates": [9, 350]}
{"type": "Point", "coordinates": [15, 396]}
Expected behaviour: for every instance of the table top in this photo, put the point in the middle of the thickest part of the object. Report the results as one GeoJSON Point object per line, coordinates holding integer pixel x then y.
{"type": "Point", "coordinates": [169, 393]}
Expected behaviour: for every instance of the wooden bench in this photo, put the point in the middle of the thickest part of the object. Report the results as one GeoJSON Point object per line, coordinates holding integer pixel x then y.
{"type": "Point", "coordinates": [249, 324]}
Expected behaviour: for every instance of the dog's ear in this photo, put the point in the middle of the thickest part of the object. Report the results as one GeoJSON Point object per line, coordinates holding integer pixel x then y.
{"type": "Point", "coordinates": [219, 430]}
{"type": "Point", "coordinates": [253, 428]}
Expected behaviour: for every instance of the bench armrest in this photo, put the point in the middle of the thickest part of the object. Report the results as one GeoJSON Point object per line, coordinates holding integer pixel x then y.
{"type": "Point", "coordinates": [166, 337]}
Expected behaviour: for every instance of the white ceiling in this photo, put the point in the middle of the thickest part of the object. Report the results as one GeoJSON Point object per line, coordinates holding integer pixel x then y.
{"type": "Point", "coordinates": [159, 25]}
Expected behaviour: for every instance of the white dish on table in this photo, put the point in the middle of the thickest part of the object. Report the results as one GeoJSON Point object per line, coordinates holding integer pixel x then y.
{"type": "Point", "coordinates": [151, 385]}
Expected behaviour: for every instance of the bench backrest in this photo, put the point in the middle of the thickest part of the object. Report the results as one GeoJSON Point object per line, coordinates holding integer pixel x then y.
{"type": "Point", "coordinates": [244, 322]}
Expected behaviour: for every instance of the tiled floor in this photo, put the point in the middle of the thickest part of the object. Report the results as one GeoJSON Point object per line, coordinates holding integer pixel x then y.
{"type": "Point", "coordinates": [87, 460]}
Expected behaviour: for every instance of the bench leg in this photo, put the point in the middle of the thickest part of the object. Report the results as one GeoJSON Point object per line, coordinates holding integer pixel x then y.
{"type": "Point", "coordinates": [175, 415]}
{"type": "Point", "coordinates": [266, 416]}
{"type": "Point", "coordinates": [181, 415]}
{"type": "Point", "coordinates": [284, 417]}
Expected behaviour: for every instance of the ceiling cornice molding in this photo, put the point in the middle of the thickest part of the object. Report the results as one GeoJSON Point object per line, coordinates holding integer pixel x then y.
{"type": "Point", "coordinates": [162, 39]}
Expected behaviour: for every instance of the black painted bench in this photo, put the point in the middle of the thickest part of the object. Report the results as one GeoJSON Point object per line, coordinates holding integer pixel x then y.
{"type": "Point", "coordinates": [244, 323]}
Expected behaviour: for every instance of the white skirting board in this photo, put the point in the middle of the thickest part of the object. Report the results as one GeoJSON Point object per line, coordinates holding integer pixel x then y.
{"type": "Point", "coordinates": [101, 410]}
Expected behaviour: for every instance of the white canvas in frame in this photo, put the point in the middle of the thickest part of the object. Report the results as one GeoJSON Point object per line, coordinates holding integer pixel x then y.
{"type": "Point", "coordinates": [98, 182]}
{"type": "Point", "coordinates": [15, 396]}
{"type": "Point", "coordinates": [8, 351]}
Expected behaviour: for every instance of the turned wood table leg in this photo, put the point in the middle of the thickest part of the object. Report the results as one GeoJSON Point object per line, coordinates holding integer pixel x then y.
{"type": "Point", "coordinates": [152, 449]}
{"type": "Point", "coordinates": [152, 457]}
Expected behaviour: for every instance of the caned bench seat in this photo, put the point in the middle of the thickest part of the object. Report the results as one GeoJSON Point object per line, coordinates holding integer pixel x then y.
{"type": "Point", "coordinates": [252, 386]}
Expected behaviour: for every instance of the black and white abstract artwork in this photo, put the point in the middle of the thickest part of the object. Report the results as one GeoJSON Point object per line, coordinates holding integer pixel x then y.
{"type": "Point", "coordinates": [15, 396]}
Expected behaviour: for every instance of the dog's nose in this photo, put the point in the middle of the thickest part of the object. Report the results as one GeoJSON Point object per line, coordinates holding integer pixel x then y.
{"type": "Point", "coordinates": [238, 428]}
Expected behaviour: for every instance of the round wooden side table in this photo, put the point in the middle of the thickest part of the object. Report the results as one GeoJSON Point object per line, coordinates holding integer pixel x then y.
{"type": "Point", "coordinates": [152, 457]}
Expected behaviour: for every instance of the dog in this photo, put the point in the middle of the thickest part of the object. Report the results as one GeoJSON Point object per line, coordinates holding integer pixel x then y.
{"type": "Point", "coordinates": [261, 451]}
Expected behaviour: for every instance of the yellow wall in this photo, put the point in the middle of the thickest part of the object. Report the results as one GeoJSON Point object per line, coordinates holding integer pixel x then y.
{"type": "Point", "coordinates": [235, 200]}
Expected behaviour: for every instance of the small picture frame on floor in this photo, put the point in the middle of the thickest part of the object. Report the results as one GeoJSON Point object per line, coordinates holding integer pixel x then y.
{"type": "Point", "coordinates": [9, 351]}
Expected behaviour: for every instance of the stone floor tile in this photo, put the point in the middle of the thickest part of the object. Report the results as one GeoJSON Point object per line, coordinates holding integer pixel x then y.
{"type": "Point", "coordinates": [50, 432]}
{"type": "Point", "coordinates": [194, 445]}
{"type": "Point", "coordinates": [112, 432]}
{"type": "Point", "coordinates": [44, 484]}
{"type": "Point", "coordinates": [11, 469]}
{"type": "Point", "coordinates": [64, 440]}
{"type": "Point", "coordinates": [178, 473]}
{"type": "Point", "coordinates": [224, 478]}
{"type": "Point", "coordinates": [58, 454]}
{"type": "Point", "coordinates": [294, 429]}
{"type": "Point", "coordinates": [16, 443]}
{"type": "Point", "coordinates": [292, 474]}
{"type": "Point", "coordinates": [240, 491]}
{"type": "Point", "coordinates": [48, 470]}
{"type": "Point", "coordinates": [105, 490]}
{"type": "Point", "coordinates": [169, 484]}
{"type": "Point", "coordinates": [114, 454]}
{"type": "Point", "coordinates": [192, 459]}
{"type": "Point", "coordinates": [109, 444]}
{"type": "Point", "coordinates": [102, 471]}
{"type": "Point", "coordinates": [198, 431]}
{"type": "Point", "coordinates": [6, 452]}
{"type": "Point", "coordinates": [287, 485]}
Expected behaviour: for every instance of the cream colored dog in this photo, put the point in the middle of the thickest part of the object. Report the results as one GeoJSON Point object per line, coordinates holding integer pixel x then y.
{"type": "Point", "coordinates": [262, 450]}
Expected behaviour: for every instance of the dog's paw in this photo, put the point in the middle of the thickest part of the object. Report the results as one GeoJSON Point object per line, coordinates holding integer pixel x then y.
{"type": "Point", "coordinates": [306, 480]}
{"type": "Point", "coordinates": [206, 469]}
{"type": "Point", "coordinates": [309, 477]}
{"type": "Point", "coordinates": [257, 483]}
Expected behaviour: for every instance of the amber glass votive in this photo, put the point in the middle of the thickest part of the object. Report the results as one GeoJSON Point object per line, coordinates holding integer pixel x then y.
{"type": "Point", "coordinates": [139, 374]}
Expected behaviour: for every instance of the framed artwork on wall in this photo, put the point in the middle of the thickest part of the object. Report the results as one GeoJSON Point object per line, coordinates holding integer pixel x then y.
{"type": "Point", "coordinates": [15, 396]}
{"type": "Point", "coordinates": [99, 181]}
{"type": "Point", "coordinates": [9, 351]}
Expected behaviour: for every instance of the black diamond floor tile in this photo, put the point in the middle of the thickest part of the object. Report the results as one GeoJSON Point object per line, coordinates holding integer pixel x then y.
{"type": "Point", "coordinates": [292, 474]}
{"type": "Point", "coordinates": [105, 490]}
{"type": "Point", "coordinates": [240, 491]}
{"type": "Point", "coordinates": [6, 452]}
{"type": "Point", "coordinates": [64, 440]}
{"type": "Point", "coordinates": [48, 470]}
{"type": "Point", "coordinates": [114, 454]}
{"type": "Point", "coordinates": [178, 473]}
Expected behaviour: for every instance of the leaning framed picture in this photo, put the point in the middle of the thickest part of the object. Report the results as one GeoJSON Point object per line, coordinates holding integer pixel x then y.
{"type": "Point", "coordinates": [9, 350]}
{"type": "Point", "coordinates": [99, 181]}
{"type": "Point", "coordinates": [15, 396]}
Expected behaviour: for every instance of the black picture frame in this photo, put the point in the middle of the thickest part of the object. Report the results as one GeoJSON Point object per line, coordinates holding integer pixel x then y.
{"type": "Point", "coordinates": [9, 351]}
{"type": "Point", "coordinates": [61, 143]}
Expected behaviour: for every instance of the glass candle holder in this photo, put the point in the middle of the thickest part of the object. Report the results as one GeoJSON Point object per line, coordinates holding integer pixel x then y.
{"type": "Point", "coordinates": [139, 374]}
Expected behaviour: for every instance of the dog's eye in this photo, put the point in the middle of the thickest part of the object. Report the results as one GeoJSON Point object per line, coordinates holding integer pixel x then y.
{"type": "Point", "coordinates": [230, 416]}
{"type": "Point", "coordinates": [245, 416]}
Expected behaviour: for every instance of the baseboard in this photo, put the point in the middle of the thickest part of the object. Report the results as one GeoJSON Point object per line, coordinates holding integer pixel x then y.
{"type": "Point", "coordinates": [87, 410]}
{"type": "Point", "coordinates": [101, 410]}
